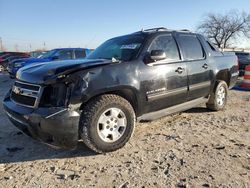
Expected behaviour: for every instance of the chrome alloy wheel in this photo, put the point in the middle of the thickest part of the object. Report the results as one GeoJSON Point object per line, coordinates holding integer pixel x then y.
{"type": "Point", "coordinates": [221, 96]}
{"type": "Point", "coordinates": [111, 125]}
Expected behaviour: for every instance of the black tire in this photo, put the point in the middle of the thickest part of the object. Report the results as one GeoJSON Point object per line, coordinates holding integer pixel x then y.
{"type": "Point", "coordinates": [89, 122]}
{"type": "Point", "coordinates": [213, 103]}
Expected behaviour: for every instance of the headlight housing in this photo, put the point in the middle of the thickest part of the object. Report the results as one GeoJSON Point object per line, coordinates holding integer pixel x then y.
{"type": "Point", "coordinates": [18, 64]}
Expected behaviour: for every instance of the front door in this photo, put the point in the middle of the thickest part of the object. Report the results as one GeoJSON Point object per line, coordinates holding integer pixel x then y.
{"type": "Point", "coordinates": [164, 82]}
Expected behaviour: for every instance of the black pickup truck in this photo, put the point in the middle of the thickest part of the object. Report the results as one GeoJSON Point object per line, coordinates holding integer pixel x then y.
{"type": "Point", "coordinates": [140, 76]}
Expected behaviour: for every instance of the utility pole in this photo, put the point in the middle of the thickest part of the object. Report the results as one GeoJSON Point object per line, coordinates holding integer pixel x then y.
{"type": "Point", "coordinates": [16, 48]}
{"type": "Point", "coordinates": [1, 44]}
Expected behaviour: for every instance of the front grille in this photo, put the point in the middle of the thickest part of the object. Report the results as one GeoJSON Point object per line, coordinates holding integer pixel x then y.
{"type": "Point", "coordinates": [23, 100]}
{"type": "Point", "coordinates": [27, 86]}
{"type": "Point", "coordinates": [25, 94]}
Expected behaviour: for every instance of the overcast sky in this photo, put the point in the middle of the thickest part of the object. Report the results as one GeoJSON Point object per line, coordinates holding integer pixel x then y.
{"type": "Point", "coordinates": [32, 24]}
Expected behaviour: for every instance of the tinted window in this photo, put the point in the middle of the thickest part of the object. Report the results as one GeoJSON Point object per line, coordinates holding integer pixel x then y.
{"type": "Point", "coordinates": [191, 47]}
{"type": "Point", "coordinates": [80, 54]}
{"type": "Point", "coordinates": [243, 55]}
{"type": "Point", "coordinates": [49, 54]}
{"type": "Point", "coordinates": [6, 56]}
{"type": "Point", "coordinates": [168, 44]}
{"type": "Point", "coordinates": [65, 54]}
{"type": "Point", "coordinates": [123, 48]}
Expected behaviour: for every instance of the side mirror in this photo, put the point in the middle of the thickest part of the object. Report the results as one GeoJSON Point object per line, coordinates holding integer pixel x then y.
{"type": "Point", "coordinates": [158, 55]}
{"type": "Point", "coordinates": [56, 57]}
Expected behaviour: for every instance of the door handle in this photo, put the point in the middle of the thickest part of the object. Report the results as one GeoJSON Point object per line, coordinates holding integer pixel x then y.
{"type": "Point", "coordinates": [179, 70]}
{"type": "Point", "coordinates": [205, 66]}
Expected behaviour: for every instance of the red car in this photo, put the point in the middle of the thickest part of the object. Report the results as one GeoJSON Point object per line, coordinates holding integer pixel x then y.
{"type": "Point", "coordinates": [7, 57]}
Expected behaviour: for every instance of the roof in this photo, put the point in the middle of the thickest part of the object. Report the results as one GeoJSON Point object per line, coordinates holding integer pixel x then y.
{"type": "Point", "coordinates": [162, 29]}
{"type": "Point", "coordinates": [70, 49]}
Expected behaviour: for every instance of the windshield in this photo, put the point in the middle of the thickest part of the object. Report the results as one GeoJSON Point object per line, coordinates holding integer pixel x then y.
{"type": "Point", "coordinates": [47, 54]}
{"type": "Point", "coordinates": [123, 48]}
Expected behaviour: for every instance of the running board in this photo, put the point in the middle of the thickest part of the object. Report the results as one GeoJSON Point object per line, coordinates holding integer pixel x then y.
{"type": "Point", "coordinates": [167, 111]}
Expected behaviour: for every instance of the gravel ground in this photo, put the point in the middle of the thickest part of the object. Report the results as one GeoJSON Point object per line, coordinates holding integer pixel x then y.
{"type": "Point", "coordinates": [196, 148]}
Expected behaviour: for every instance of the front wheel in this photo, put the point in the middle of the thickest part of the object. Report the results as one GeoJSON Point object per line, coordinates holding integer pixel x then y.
{"type": "Point", "coordinates": [106, 123]}
{"type": "Point", "coordinates": [218, 99]}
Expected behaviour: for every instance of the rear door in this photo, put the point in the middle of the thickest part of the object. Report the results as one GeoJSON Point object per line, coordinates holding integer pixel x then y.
{"type": "Point", "coordinates": [198, 69]}
{"type": "Point", "coordinates": [165, 81]}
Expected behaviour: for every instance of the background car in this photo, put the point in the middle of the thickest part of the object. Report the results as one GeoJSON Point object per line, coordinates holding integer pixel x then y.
{"type": "Point", "coordinates": [52, 55]}
{"type": "Point", "coordinates": [37, 54]}
{"type": "Point", "coordinates": [6, 57]}
{"type": "Point", "coordinates": [244, 60]}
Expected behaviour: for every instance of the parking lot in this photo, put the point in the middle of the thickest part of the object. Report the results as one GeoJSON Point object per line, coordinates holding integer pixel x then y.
{"type": "Point", "coordinates": [196, 148]}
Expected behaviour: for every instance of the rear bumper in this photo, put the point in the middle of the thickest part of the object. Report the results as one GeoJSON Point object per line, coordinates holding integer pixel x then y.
{"type": "Point", "coordinates": [53, 126]}
{"type": "Point", "coordinates": [233, 79]}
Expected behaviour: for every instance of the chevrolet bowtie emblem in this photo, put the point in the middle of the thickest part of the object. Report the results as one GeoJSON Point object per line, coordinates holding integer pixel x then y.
{"type": "Point", "coordinates": [17, 90]}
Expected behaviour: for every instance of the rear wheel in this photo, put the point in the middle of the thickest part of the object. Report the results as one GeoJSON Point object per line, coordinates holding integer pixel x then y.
{"type": "Point", "coordinates": [107, 122]}
{"type": "Point", "coordinates": [218, 99]}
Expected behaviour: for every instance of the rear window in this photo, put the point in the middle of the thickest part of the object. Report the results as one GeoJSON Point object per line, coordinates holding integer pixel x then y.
{"type": "Point", "coordinates": [243, 55]}
{"type": "Point", "coordinates": [191, 47]}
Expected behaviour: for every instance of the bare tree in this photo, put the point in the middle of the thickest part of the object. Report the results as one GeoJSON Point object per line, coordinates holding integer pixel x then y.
{"type": "Point", "coordinates": [222, 29]}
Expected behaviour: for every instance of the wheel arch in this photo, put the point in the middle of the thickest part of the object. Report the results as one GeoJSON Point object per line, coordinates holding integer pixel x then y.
{"type": "Point", "coordinates": [128, 93]}
{"type": "Point", "coordinates": [223, 75]}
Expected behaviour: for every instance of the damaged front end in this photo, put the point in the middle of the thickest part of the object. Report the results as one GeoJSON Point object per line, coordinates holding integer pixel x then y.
{"type": "Point", "coordinates": [46, 112]}
{"type": "Point", "coordinates": [48, 109]}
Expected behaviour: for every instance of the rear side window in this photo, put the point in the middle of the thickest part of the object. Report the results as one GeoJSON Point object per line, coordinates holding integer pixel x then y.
{"type": "Point", "coordinates": [65, 54]}
{"type": "Point", "coordinates": [191, 47]}
{"type": "Point", "coordinates": [80, 54]}
{"type": "Point", "coordinates": [167, 44]}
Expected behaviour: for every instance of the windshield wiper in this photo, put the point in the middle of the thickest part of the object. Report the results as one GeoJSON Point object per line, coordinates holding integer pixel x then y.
{"type": "Point", "coordinates": [114, 60]}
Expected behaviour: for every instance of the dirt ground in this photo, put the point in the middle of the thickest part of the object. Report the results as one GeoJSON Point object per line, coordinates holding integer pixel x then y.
{"type": "Point", "coordinates": [196, 148]}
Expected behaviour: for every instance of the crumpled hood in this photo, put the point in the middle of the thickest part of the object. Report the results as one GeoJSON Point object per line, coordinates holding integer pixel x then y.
{"type": "Point", "coordinates": [42, 72]}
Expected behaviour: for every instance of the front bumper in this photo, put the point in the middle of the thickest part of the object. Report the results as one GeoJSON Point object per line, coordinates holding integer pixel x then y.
{"type": "Point", "coordinates": [53, 126]}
